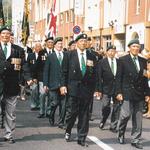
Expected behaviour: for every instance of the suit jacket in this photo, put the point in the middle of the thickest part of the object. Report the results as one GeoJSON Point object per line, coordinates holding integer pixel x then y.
{"type": "Point", "coordinates": [106, 81]}
{"type": "Point", "coordinates": [33, 64]}
{"type": "Point", "coordinates": [78, 85]}
{"type": "Point", "coordinates": [10, 78]}
{"type": "Point", "coordinates": [133, 85]}
{"type": "Point", "coordinates": [42, 56]}
{"type": "Point", "coordinates": [52, 72]}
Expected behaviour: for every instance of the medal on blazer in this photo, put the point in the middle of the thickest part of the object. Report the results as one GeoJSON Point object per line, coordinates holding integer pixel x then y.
{"type": "Point", "coordinates": [43, 57]}
{"type": "Point", "coordinates": [17, 63]}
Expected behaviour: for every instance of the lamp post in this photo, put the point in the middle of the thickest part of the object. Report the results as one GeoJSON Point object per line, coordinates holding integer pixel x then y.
{"type": "Point", "coordinates": [111, 24]}
{"type": "Point", "coordinates": [90, 29]}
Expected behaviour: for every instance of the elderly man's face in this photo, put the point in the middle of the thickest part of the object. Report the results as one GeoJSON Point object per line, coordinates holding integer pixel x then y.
{"type": "Point", "coordinates": [5, 36]}
{"type": "Point", "coordinates": [134, 49]}
{"type": "Point", "coordinates": [81, 44]}
{"type": "Point", "coordinates": [59, 45]}
{"type": "Point", "coordinates": [50, 44]}
{"type": "Point", "coordinates": [111, 53]}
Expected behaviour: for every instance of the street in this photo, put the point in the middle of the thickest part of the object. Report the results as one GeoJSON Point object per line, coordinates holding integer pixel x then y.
{"type": "Point", "coordinates": [36, 134]}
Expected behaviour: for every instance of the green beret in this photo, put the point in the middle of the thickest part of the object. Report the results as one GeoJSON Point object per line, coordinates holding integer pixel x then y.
{"type": "Point", "coordinates": [5, 28]}
{"type": "Point", "coordinates": [111, 47]}
{"type": "Point", "coordinates": [134, 41]}
{"type": "Point", "coordinates": [81, 36]}
{"type": "Point", "coordinates": [71, 42]}
{"type": "Point", "coordinates": [49, 38]}
{"type": "Point", "coordinates": [58, 39]}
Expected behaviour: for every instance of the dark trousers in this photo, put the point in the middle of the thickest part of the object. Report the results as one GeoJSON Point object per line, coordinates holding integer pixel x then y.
{"type": "Point", "coordinates": [106, 109]}
{"type": "Point", "coordinates": [134, 109]}
{"type": "Point", "coordinates": [78, 107]}
{"type": "Point", "coordinates": [57, 100]}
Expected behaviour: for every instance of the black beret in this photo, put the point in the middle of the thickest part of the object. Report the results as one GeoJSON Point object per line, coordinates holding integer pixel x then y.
{"type": "Point", "coordinates": [81, 36]}
{"type": "Point", "coordinates": [49, 38]}
{"type": "Point", "coordinates": [134, 41]}
{"type": "Point", "coordinates": [89, 39]}
{"type": "Point", "coordinates": [71, 42]}
{"type": "Point", "coordinates": [5, 28]}
{"type": "Point", "coordinates": [111, 47]}
{"type": "Point", "coordinates": [58, 39]}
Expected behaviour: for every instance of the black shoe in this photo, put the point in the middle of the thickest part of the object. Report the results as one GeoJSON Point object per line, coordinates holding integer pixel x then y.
{"type": "Point", "coordinates": [51, 121]}
{"type": "Point", "coordinates": [121, 140]}
{"type": "Point", "coordinates": [113, 130]}
{"type": "Point", "coordinates": [10, 140]}
{"type": "Point", "coordinates": [137, 145]}
{"type": "Point", "coordinates": [41, 116]}
{"type": "Point", "coordinates": [67, 137]}
{"type": "Point", "coordinates": [82, 143]}
{"type": "Point", "coordinates": [101, 125]}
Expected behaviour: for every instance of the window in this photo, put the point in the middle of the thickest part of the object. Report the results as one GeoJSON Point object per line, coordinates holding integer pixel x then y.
{"type": "Point", "coordinates": [61, 18]}
{"type": "Point", "coordinates": [67, 16]}
{"type": "Point", "coordinates": [138, 3]}
{"type": "Point", "coordinates": [71, 15]}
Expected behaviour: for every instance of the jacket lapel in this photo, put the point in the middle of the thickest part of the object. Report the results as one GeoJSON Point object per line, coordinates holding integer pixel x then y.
{"type": "Point", "coordinates": [108, 66]}
{"type": "Point", "coordinates": [2, 52]}
{"type": "Point", "coordinates": [131, 64]}
{"type": "Point", "coordinates": [76, 61]}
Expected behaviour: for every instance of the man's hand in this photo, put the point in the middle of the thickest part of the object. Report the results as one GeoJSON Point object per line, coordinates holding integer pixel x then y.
{"type": "Point", "coordinates": [29, 82]}
{"type": "Point", "coordinates": [98, 95]}
{"type": "Point", "coordinates": [119, 97]}
{"type": "Point", "coordinates": [46, 89]}
{"type": "Point", "coordinates": [63, 90]}
{"type": "Point", "coordinates": [35, 80]}
{"type": "Point", "coordinates": [147, 98]}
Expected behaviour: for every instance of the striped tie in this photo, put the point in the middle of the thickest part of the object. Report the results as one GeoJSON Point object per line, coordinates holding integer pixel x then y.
{"type": "Point", "coordinates": [83, 66]}
{"type": "Point", "coordinates": [5, 49]}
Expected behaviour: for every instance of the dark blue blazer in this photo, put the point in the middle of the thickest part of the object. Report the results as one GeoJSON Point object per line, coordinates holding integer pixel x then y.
{"type": "Point", "coordinates": [78, 85]}
{"type": "Point", "coordinates": [132, 84]}
{"type": "Point", "coordinates": [52, 72]}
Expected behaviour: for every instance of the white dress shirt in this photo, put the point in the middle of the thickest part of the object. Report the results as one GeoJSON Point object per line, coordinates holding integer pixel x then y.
{"type": "Point", "coordinates": [136, 61]}
{"type": "Point", "coordinates": [8, 48]}
{"type": "Point", "coordinates": [115, 64]}
{"type": "Point", "coordinates": [80, 55]}
{"type": "Point", "coordinates": [59, 53]}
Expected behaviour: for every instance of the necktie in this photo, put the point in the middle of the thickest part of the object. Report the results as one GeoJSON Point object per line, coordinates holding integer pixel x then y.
{"type": "Point", "coordinates": [112, 66]}
{"type": "Point", "coordinates": [60, 58]}
{"type": "Point", "coordinates": [83, 66]}
{"type": "Point", "coordinates": [5, 49]}
{"type": "Point", "coordinates": [134, 61]}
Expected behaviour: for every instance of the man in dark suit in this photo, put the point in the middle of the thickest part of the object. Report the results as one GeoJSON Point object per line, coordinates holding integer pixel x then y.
{"type": "Point", "coordinates": [12, 64]}
{"type": "Point", "coordinates": [106, 74]}
{"type": "Point", "coordinates": [52, 81]}
{"type": "Point", "coordinates": [33, 64]}
{"type": "Point", "coordinates": [43, 96]}
{"type": "Point", "coordinates": [97, 59]}
{"type": "Point", "coordinates": [78, 82]}
{"type": "Point", "coordinates": [131, 89]}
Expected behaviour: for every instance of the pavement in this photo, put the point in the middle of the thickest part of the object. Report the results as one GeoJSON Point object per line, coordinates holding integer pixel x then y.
{"type": "Point", "coordinates": [35, 134]}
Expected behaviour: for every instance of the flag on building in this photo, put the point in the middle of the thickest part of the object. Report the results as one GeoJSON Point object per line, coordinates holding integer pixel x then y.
{"type": "Point", "coordinates": [52, 18]}
{"type": "Point", "coordinates": [2, 23]}
{"type": "Point", "coordinates": [25, 23]}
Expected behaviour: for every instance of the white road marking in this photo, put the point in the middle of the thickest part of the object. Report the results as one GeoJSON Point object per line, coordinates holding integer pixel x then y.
{"type": "Point", "coordinates": [100, 143]}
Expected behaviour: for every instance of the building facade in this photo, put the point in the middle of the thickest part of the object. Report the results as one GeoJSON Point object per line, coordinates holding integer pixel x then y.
{"type": "Point", "coordinates": [106, 21]}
